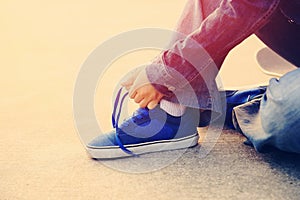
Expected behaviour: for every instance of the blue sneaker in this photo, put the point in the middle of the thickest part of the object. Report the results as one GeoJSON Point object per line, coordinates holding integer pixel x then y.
{"type": "Point", "coordinates": [146, 131]}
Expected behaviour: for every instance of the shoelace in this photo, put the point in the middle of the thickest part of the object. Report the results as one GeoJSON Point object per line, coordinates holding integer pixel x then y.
{"type": "Point", "coordinates": [115, 120]}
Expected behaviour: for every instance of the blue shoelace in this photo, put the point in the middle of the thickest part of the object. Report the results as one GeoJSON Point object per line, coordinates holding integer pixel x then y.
{"type": "Point", "coordinates": [115, 120]}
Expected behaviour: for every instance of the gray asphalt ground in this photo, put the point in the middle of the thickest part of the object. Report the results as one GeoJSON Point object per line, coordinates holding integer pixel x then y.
{"type": "Point", "coordinates": [41, 165]}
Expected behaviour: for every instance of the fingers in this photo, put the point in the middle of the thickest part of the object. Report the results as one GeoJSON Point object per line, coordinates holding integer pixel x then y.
{"type": "Point", "coordinates": [152, 104]}
{"type": "Point", "coordinates": [139, 98]}
{"type": "Point", "coordinates": [146, 101]}
{"type": "Point", "coordinates": [142, 100]}
{"type": "Point", "coordinates": [132, 94]}
{"type": "Point", "coordinates": [146, 96]}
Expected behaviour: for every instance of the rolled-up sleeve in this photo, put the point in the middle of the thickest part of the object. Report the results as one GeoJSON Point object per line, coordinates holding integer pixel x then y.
{"type": "Point", "coordinates": [222, 30]}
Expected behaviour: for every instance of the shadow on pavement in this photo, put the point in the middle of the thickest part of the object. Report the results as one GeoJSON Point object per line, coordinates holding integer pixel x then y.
{"type": "Point", "coordinates": [286, 163]}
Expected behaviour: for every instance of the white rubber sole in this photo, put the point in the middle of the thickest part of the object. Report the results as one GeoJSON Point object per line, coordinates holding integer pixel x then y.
{"type": "Point", "coordinates": [110, 152]}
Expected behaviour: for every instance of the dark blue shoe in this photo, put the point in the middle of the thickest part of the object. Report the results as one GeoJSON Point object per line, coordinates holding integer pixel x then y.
{"type": "Point", "coordinates": [145, 132]}
{"type": "Point", "coordinates": [238, 97]}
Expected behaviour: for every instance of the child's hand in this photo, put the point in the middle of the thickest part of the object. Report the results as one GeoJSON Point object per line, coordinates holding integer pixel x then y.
{"type": "Point", "coordinates": [143, 92]}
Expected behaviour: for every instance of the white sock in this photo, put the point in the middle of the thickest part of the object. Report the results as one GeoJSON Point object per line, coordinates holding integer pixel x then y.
{"type": "Point", "coordinates": [171, 108]}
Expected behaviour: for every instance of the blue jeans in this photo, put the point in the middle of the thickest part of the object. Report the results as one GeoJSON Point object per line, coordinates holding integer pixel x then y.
{"type": "Point", "coordinates": [217, 26]}
{"type": "Point", "coordinates": [273, 120]}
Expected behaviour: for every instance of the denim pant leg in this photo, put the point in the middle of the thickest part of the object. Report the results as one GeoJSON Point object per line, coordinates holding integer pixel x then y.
{"type": "Point", "coordinates": [275, 119]}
